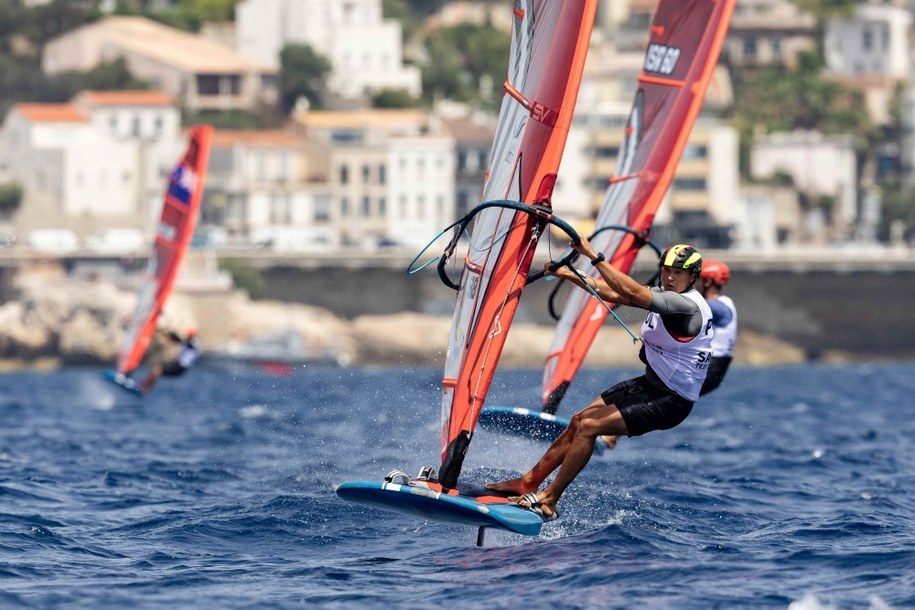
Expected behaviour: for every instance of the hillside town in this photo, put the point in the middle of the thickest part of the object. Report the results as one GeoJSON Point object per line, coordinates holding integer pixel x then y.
{"type": "Point", "coordinates": [92, 170]}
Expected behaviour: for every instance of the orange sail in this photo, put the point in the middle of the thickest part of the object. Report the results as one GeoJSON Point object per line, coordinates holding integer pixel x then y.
{"type": "Point", "coordinates": [685, 42]}
{"type": "Point", "coordinates": [549, 44]}
{"type": "Point", "coordinates": [173, 237]}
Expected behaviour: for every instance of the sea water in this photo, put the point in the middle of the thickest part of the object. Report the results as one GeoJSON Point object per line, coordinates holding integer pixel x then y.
{"type": "Point", "coordinates": [789, 487]}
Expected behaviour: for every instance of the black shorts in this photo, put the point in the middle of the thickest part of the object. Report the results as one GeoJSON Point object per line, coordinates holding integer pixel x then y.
{"type": "Point", "coordinates": [173, 369]}
{"type": "Point", "coordinates": [645, 407]}
{"type": "Point", "coordinates": [715, 375]}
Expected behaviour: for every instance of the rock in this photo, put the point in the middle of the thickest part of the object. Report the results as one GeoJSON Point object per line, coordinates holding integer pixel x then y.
{"type": "Point", "coordinates": [84, 322]}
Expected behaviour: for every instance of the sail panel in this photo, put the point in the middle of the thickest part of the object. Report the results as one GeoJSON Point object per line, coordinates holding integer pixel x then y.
{"type": "Point", "coordinates": [684, 44]}
{"type": "Point", "coordinates": [173, 237]}
{"type": "Point", "coordinates": [549, 44]}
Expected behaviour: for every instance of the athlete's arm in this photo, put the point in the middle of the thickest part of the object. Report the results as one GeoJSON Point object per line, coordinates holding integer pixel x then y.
{"type": "Point", "coordinates": [721, 313]}
{"type": "Point", "coordinates": [622, 289]}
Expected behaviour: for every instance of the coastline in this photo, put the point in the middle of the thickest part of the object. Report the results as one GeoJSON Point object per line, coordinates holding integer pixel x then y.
{"type": "Point", "coordinates": [79, 322]}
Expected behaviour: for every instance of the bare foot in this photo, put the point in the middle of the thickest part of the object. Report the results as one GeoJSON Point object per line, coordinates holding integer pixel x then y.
{"type": "Point", "coordinates": [516, 486]}
{"type": "Point", "coordinates": [610, 440]}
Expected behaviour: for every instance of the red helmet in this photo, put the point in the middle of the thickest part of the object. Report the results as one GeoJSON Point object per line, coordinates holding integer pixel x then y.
{"type": "Point", "coordinates": [717, 271]}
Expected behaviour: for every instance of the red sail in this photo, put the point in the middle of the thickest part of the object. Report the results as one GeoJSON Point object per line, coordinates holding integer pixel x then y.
{"type": "Point", "coordinates": [173, 237]}
{"type": "Point", "coordinates": [549, 44]}
{"type": "Point", "coordinates": [685, 42]}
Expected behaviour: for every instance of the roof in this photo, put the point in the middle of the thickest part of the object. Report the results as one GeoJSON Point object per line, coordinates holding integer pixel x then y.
{"type": "Point", "coordinates": [467, 130]}
{"type": "Point", "coordinates": [51, 113]}
{"type": "Point", "coordinates": [126, 98]}
{"type": "Point", "coordinates": [273, 138]}
{"type": "Point", "coordinates": [363, 119]}
{"type": "Point", "coordinates": [176, 48]}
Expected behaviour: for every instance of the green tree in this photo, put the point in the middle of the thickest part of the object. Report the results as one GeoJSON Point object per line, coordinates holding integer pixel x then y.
{"type": "Point", "coordinates": [777, 99]}
{"type": "Point", "coordinates": [244, 276]}
{"type": "Point", "coordinates": [302, 74]}
{"type": "Point", "coordinates": [393, 98]}
{"type": "Point", "coordinates": [11, 194]}
{"type": "Point", "coordinates": [464, 60]}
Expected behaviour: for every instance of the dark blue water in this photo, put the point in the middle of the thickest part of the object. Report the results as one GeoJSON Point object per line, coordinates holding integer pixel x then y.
{"type": "Point", "coordinates": [788, 488]}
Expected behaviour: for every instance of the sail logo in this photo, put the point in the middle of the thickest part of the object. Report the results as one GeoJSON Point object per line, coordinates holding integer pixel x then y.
{"type": "Point", "coordinates": [661, 59]}
{"type": "Point", "coordinates": [544, 115]}
{"type": "Point", "coordinates": [181, 184]}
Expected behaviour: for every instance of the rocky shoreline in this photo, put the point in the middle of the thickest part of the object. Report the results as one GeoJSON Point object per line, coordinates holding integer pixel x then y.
{"type": "Point", "coordinates": [65, 322]}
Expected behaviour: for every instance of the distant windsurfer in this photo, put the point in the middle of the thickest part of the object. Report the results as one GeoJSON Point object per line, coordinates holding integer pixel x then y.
{"type": "Point", "coordinates": [188, 350]}
{"type": "Point", "coordinates": [676, 349]}
{"type": "Point", "coordinates": [715, 274]}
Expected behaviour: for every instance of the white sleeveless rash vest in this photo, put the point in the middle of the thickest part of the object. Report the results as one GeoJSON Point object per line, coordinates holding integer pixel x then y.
{"type": "Point", "coordinates": [725, 336]}
{"type": "Point", "coordinates": [681, 365]}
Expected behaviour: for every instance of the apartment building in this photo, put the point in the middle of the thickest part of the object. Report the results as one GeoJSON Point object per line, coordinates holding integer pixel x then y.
{"type": "Point", "coordinates": [391, 174]}
{"type": "Point", "coordinates": [199, 73]}
{"type": "Point", "coordinates": [766, 33]}
{"type": "Point", "coordinates": [265, 189]}
{"type": "Point", "coordinates": [364, 49]}
{"type": "Point", "coordinates": [99, 161]}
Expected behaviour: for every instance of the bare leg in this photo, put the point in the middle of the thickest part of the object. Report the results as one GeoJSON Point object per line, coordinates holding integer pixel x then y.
{"type": "Point", "coordinates": [150, 380]}
{"type": "Point", "coordinates": [596, 420]}
{"type": "Point", "coordinates": [554, 456]}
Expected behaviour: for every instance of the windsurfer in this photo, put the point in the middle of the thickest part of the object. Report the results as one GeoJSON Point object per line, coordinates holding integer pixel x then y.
{"type": "Point", "coordinates": [715, 274]}
{"type": "Point", "coordinates": [676, 347]}
{"type": "Point", "coordinates": [188, 350]}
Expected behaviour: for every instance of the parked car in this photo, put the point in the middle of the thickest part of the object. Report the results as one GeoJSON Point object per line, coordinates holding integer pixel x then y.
{"type": "Point", "coordinates": [117, 241]}
{"type": "Point", "coordinates": [54, 241]}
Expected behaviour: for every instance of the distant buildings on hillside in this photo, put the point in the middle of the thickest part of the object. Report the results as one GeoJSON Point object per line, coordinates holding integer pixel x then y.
{"type": "Point", "coordinates": [374, 178]}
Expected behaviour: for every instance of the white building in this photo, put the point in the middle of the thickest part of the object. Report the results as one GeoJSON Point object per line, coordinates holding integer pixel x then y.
{"type": "Point", "coordinates": [364, 49]}
{"type": "Point", "coordinates": [421, 189]}
{"type": "Point", "coordinates": [100, 161]}
{"type": "Point", "coordinates": [392, 174]}
{"type": "Point", "coordinates": [873, 42]}
{"type": "Point", "coordinates": [262, 190]}
{"type": "Point", "coordinates": [819, 165]}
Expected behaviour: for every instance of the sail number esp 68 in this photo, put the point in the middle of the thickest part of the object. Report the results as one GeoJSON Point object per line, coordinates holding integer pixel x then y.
{"type": "Point", "coordinates": [661, 59]}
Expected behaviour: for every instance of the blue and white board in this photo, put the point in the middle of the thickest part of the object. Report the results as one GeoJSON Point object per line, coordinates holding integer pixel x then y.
{"type": "Point", "coordinates": [527, 423]}
{"type": "Point", "coordinates": [416, 498]}
{"type": "Point", "coordinates": [123, 381]}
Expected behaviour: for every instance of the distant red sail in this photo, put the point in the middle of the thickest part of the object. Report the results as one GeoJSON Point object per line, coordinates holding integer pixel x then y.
{"type": "Point", "coordinates": [173, 237]}
{"type": "Point", "coordinates": [549, 44]}
{"type": "Point", "coordinates": [684, 45]}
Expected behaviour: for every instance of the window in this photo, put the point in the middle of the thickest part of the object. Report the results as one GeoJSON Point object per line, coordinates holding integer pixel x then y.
{"type": "Point", "coordinates": [344, 174]}
{"type": "Point", "coordinates": [749, 47]}
{"type": "Point", "coordinates": [695, 151]}
{"type": "Point", "coordinates": [366, 174]}
{"type": "Point", "coordinates": [322, 209]}
{"type": "Point", "coordinates": [366, 206]}
{"type": "Point", "coordinates": [207, 84]}
{"type": "Point", "coordinates": [776, 43]}
{"type": "Point", "coordinates": [135, 127]}
{"type": "Point", "coordinates": [689, 184]}
{"type": "Point", "coordinates": [867, 40]}
{"type": "Point", "coordinates": [403, 206]}
{"type": "Point", "coordinates": [382, 208]}
{"type": "Point", "coordinates": [606, 152]}
{"type": "Point", "coordinates": [344, 206]}
{"type": "Point", "coordinates": [381, 174]}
